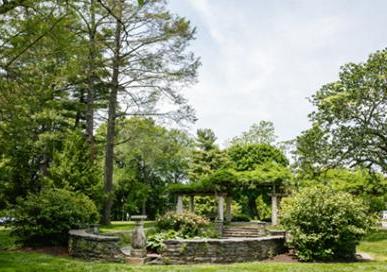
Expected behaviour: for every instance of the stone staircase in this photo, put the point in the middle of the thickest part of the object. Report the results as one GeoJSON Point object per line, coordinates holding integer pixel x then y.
{"type": "Point", "coordinates": [244, 229]}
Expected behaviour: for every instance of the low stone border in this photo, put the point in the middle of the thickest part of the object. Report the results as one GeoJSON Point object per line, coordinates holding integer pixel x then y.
{"type": "Point", "coordinates": [222, 250]}
{"type": "Point", "coordinates": [87, 245]}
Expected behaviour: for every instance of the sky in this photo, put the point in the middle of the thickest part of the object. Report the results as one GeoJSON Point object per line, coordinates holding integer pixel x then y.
{"type": "Point", "coordinates": [261, 60]}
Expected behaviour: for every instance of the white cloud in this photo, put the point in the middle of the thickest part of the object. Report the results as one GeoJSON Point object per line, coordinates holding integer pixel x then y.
{"type": "Point", "coordinates": [261, 59]}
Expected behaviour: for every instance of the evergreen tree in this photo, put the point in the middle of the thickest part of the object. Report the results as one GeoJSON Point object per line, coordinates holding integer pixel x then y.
{"type": "Point", "coordinates": [206, 157]}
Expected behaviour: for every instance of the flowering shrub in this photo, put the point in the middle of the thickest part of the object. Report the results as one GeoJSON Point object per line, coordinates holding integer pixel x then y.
{"type": "Point", "coordinates": [325, 224]}
{"type": "Point", "coordinates": [186, 223]}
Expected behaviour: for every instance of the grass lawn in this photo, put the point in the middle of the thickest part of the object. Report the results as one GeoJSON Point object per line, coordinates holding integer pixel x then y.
{"type": "Point", "coordinates": [375, 245]}
{"type": "Point", "coordinates": [118, 226]}
{"type": "Point", "coordinates": [12, 260]}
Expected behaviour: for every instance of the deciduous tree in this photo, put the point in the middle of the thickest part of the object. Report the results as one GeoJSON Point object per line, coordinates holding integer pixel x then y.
{"type": "Point", "coordinates": [350, 120]}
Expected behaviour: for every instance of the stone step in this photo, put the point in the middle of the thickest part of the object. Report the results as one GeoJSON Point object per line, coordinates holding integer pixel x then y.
{"type": "Point", "coordinates": [245, 226]}
{"type": "Point", "coordinates": [241, 235]}
{"type": "Point", "coordinates": [240, 231]}
{"type": "Point", "coordinates": [243, 229]}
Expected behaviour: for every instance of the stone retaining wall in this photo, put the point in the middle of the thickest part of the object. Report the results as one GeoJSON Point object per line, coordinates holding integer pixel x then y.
{"type": "Point", "coordinates": [222, 250]}
{"type": "Point", "coordinates": [87, 245]}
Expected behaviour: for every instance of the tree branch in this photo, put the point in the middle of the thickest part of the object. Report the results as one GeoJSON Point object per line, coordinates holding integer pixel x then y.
{"type": "Point", "coordinates": [10, 5]}
{"type": "Point", "coordinates": [34, 42]}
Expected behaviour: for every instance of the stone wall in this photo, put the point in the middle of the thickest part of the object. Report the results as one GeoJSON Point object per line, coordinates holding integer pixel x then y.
{"type": "Point", "coordinates": [222, 250]}
{"type": "Point", "coordinates": [87, 245]}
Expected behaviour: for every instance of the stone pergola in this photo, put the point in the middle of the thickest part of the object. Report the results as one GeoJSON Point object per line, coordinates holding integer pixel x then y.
{"type": "Point", "coordinates": [224, 201]}
{"type": "Point", "coordinates": [222, 198]}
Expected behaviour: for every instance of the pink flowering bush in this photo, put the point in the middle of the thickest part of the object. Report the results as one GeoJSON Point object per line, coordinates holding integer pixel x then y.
{"type": "Point", "coordinates": [187, 224]}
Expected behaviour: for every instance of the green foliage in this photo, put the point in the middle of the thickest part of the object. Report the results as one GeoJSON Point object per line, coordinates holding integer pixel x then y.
{"type": "Point", "coordinates": [247, 157]}
{"type": "Point", "coordinates": [189, 188]}
{"type": "Point", "coordinates": [148, 158]}
{"type": "Point", "coordinates": [265, 174]}
{"type": "Point", "coordinates": [229, 180]}
{"type": "Point", "coordinates": [7, 242]}
{"type": "Point", "coordinates": [262, 132]}
{"type": "Point", "coordinates": [356, 181]}
{"type": "Point", "coordinates": [349, 124]}
{"type": "Point", "coordinates": [54, 77]}
{"type": "Point", "coordinates": [223, 180]}
{"type": "Point", "coordinates": [46, 217]}
{"type": "Point", "coordinates": [39, 101]}
{"type": "Point", "coordinates": [263, 207]}
{"type": "Point", "coordinates": [258, 167]}
{"type": "Point", "coordinates": [372, 187]}
{"type": "Point", "coordinates": [72, 168]}
{"type": "Point", "coordinates": [179, 226]}
{"type": "Point", "coordinates": [207, 157]}
{"type": "Point", "coordinates": [313, 151]}
{"type": "Point", "coordinates": [206, 206]}
{"type": "Point", "coordinates": [206, 139]}
{"type": "Point", "coordinates": [155, 242]}
{"type": "Point", "coordinates": [218, 181]}
{"type": "Point", "coordinates": [240, 218]}
{"type": "Point", "coordinates": [325, 224]}
{"type": "Point", "coordinates": [186, 223]}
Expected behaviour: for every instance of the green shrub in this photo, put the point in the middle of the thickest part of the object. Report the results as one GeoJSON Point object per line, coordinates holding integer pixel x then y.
{"type": "Point", "coordinates": [46, 218]}
{"type": "Point", "coordinates": [206, 206]}
{"type": "Point", "coordinates": [240, 218]}
{"type": "Point", "coordinates": [186, 223]}
{"type": "Point", "coordinates": [155, 242]}
{"type": "Point", "coordinates": [325, 224]}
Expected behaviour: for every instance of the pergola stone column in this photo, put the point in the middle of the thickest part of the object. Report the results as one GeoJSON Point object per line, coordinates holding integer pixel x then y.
{"type": "Point", "coordinates": [192, 203]}
{"type": "Point", "coordinates": [179, 206]}
{"type": "Point", "coordinates": [221, 208]}
{"type": "Point", "coordinates": [228, 216]}
{"type": "Point", "coordinates": [274, 206]}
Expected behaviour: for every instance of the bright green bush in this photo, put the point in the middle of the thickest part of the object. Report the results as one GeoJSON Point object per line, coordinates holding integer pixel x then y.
{"type": "Point", "coordinates": [325, 224]}
{"type": "Point", "coordinates": [155, 242]}
{"type": "Point", "coordinates": [240, 218]}
{"type": "Point", "coordinates": [46, 218]}
{"type": "Point", "coordinates": [206, 206]}
{"type": "Point", "coordinates": [186, 223]}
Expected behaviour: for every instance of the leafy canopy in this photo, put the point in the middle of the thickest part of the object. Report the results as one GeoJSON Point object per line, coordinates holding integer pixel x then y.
{"type": "Point", "coordinates": [262, 132]}
{"type": "Point", "coordinates": [350, 120]}
{"type": "Point", "coordinates": [249, 156]}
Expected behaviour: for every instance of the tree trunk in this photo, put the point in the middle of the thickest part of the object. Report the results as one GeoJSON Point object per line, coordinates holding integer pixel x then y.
{"type": "Point", "coordinates": [78, 116]}
{"type": "Point", "coordinates": [109, 149]}
{"type": "Point", "coordinates": [90, 96]}
{"type": "Point", "coordinates": [143, 210]}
